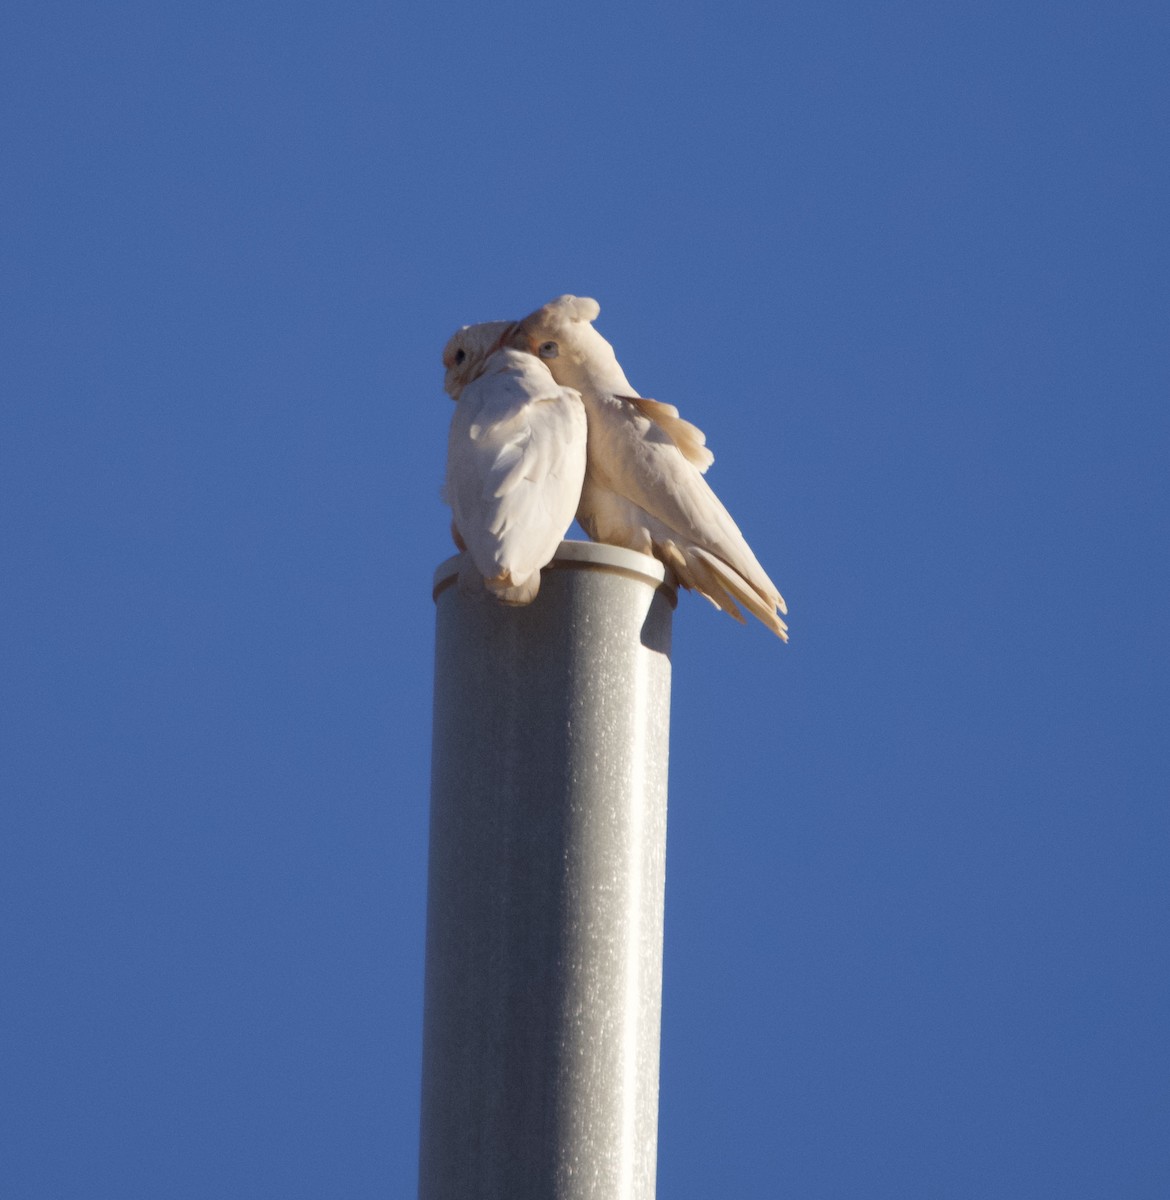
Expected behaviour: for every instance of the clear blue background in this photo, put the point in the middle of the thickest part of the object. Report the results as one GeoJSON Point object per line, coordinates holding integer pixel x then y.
{"type": "Point", "coordinates": [906, 264]}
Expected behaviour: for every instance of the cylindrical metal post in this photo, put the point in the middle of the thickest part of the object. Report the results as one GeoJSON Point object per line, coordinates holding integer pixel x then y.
{"type": "Point", "coordinates": [545, 896]}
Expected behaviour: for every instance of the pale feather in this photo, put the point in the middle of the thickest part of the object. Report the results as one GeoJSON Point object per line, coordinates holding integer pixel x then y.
{"type": "Point", "coordinates": [644, 486]}
{"type": "Point", "coordinates": [515, 464]}
{"type": "Point", "coordinates": [690, 439]}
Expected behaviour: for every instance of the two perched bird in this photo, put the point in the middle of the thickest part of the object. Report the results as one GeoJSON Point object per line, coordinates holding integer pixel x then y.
{"type": "Point", "coordinates": [547, 427]}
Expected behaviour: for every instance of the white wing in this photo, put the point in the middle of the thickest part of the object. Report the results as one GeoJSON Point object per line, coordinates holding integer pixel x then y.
{"type": "Point", "coordinates": [645, 490]}
{"type": "Point", "coordinates": [515, 465]}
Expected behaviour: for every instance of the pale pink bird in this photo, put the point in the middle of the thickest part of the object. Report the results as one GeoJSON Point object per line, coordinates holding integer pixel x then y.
{"type": "Point", "coordinates": [644, 485]}
{"type": "Point", "coordinates": [515, 459]}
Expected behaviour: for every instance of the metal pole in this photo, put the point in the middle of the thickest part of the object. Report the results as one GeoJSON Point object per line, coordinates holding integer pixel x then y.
{"type": "Point", "coordinates": [547, 868]}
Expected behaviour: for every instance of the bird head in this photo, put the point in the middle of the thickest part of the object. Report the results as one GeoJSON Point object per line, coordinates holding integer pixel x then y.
{"type": "Point", "coordinates": [559, 330]}
{"type": "Point", "coordinates": [468, 350]}
{"type": "Point", "coordinates": [561, 334]}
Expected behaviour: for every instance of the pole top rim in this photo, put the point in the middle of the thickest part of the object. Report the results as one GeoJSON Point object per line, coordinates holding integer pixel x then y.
{"type": "Point", "coordinates": [576, 555]}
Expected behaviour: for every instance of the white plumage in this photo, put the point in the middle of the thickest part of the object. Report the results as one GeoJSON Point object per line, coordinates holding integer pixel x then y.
{"type": "Point", "coordinates": [515, 459]}
{"type": "Point", "coordinates": [644, 485]}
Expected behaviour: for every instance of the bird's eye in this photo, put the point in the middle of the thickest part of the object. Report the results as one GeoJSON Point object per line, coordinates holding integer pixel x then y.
{"type": "Point", "coordinates": [460, 355]}
{"type": "Point", "coordinates": [548, 350]}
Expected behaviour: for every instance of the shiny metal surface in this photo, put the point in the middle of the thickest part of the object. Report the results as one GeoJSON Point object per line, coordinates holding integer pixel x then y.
{"type": "Point", "coordinates": [545, 895]}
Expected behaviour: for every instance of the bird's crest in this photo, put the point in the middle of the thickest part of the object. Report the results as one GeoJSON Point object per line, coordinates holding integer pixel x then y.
{"type": "Point", "coordinates": [579, 308]}
{"type": "Point", "coordinates": [565, 309]}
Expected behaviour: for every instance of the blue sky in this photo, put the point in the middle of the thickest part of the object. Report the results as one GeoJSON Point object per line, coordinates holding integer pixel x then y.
{"type": "Point", "coordinates": [905, 264]}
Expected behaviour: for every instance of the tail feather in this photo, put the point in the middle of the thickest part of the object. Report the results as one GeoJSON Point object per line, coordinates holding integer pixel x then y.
{"type": "Point", "coordinates": [700, 577]}
{"type": "Point", "coordinates": [725, 586]}
{"type": "Point", "coordinates": [609, 517]}
{"type": "Point", "coordinates": [508, 591]}
{"type": "Point", "coordinates": [501, 587]}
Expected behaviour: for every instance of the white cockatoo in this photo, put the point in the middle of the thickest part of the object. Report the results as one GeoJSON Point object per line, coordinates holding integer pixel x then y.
{"type": "Point", "coordinates": [644, 485]}
{"type": "Point", "coordinates": [515, 459]}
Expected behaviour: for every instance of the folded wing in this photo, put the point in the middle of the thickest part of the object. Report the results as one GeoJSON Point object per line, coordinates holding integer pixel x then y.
{"type": "Point", "coordinates": [646, 490]}
{"type": "Point", "coordinates": [515, 467]}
